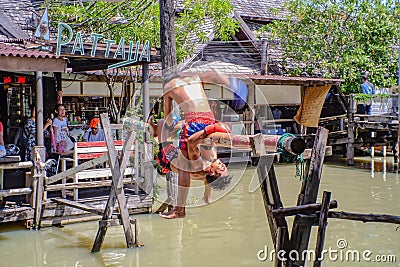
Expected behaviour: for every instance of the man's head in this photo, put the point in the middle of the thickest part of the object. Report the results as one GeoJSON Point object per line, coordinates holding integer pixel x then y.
{"type": "Point", "coordinates": [94, 125]}
{"type": "Point", "coordinates": [363, 78]}
{"type": "Point", "coordinates": [218, 176]}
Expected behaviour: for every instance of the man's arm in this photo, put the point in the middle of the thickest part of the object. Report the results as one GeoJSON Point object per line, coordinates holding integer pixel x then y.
{"type": "Point", "coordinates": [214, 77]}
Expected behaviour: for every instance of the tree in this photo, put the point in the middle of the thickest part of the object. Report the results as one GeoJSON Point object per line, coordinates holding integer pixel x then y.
{"type": "Point", "coordinates": [340, 39]}
{"type": "Point", "coordinates": [143, 20]}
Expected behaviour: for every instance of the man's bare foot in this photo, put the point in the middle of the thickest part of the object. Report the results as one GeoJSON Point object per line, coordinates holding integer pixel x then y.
{"type": "Point", "coordinates": [174, 213]}
{"type": "Point", "coordinates": [207, 200]}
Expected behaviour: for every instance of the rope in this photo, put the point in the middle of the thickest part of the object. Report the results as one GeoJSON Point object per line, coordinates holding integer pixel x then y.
{"type": "Point", "coordinates": [290, 158]}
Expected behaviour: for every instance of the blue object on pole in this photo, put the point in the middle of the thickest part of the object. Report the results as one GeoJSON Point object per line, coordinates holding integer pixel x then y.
{"type": "Point", "coordinates": [240, 93]}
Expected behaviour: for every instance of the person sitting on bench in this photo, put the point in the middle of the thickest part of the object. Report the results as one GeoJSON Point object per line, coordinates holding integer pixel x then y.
{"type": "Point", "coordinates": [94, 134]}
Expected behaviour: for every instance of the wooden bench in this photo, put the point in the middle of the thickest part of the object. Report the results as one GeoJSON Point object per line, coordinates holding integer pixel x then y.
{"type": "Point", "coordinates": [95, 177]}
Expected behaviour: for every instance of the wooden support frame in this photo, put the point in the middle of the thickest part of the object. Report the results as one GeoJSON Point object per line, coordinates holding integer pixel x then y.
{"type": "Point", "coordinates": [269, 188]}
{"type": "Point", "coordinates": [117, 193]}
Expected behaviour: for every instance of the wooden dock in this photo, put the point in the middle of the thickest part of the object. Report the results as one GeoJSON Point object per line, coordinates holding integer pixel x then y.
{"type": "Point", "coordinates": [363, 132]}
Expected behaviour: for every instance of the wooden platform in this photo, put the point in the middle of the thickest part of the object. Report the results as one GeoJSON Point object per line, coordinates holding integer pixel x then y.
{"type": "Point", "coordinates": [57, 213]}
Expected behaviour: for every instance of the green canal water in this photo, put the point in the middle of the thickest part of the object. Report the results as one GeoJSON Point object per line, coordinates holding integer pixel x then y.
{"type": "Point", "coordinates": [232, 231]}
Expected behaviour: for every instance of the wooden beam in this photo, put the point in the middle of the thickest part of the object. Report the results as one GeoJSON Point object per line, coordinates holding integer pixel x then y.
{"type": "Point", "coordinates": [364, 217]}
{"type": "Point", "coordinates": [15, 192]}
{"type": "Point", "coordinates": [93, 184]}
{"type": "Point", "coordinates": [79, 168]}
{"type": "Point", "coordinates": [77, 205]}
{"type": "Point", "coordinates": [10, 63]}
{"type": "Point", "coordinates": [302, 209]}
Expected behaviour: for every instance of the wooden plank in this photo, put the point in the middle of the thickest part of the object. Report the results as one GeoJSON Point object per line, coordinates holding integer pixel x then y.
{"type": "Point", "coordinates": [134, 203]}
{"type": "Point", "coordinates": [92, 184]}
{"type": "Point", "coordinates": [307, 153]}
{"type": "Point", "coordinates": [16, 165]}
{"type": "Point", "coordinates": [316, 164]}
{"type": "Point", "coordinates": [262, 176]}
{"type": "Point", "coordinates": [16, 214]}
{"type": "Point", "coordinates": [77, 205]}
{"type": "Point", "coordinates": [101, 173]}
{"type": "Point", "coordinates": [81, 167]}
{"type": "Point", "coordinates": [169, 201]}
{"type": "Point", "coordinates": [302, 209]}
{"type": "Point", "coordinates": [8, 159]}
{"type": "Point", "coordinates": [98, 149]}
{"type": "Point", "coordinates": [15, 192]}
{"type": "Point", "coordinates": [323, 221]}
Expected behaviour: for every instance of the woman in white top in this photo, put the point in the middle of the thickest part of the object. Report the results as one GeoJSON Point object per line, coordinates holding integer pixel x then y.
{"type": "Point", "coordinates": [60, 128]}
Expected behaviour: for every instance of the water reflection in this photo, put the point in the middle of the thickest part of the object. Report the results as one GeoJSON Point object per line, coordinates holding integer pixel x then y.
{"type": "Point", "coordinates": [229, 232]}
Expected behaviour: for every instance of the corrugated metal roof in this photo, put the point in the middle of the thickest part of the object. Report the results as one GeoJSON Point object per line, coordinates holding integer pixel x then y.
{"type": "Point", "coordinates": [16, 50]}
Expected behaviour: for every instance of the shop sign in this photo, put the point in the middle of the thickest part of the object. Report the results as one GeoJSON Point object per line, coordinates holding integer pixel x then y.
{"type": "Point", "coordinates": [131, 56]}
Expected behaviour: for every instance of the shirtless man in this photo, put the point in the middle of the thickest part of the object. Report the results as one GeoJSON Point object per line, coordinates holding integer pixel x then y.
{"type": "Point", "coordinates": [205, 165]}
{"type": "Point", "coordinates": [188, 93]}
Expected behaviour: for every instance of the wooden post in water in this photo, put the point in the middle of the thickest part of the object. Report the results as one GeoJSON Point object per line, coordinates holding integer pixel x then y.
{"type": "Point", "coordinates": [323, 221]}
{"type": "Point", "coordinates": [395, 147]}
{"type": "Point", "coordinates": [301, 233]}
{"type": "Point", "coordinates": [269, 188]}
{"type": "Point", "coordinates": [38, 173]}
{"type": "Point", "coordinates": [350, 132]}
{"type": "Point", "coordinates": [117, 191]}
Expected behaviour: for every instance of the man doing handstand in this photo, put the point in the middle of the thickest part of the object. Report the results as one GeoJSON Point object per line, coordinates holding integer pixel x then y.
{"type": "Point", "coordinates": [188, 93]}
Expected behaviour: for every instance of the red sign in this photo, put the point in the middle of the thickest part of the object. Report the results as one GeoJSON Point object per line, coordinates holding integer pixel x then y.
{"type": "Point", "coordinates": [21, 79]}
{"type": "Point", "coordinates": [6, 79]}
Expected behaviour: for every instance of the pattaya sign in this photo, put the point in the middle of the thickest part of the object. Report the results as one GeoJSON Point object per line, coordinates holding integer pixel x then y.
{"type": "Point", "coordinates": [131, 56]}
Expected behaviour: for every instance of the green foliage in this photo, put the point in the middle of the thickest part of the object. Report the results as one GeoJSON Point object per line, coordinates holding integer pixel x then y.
{"type": "Point", "coordinates": [368, 97]}
{"type": "Point", "coordinates": [363, 97]}
{"type": "Point", "coordinates": [340, 39]}
{"type": "Point", "coordinates": [144, 20]}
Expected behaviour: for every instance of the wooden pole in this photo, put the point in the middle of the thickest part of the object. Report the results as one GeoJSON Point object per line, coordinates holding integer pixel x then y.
{"type": "Point", "coordinates": [350, 132]}
{"type": "Point", "coordinates": [38, 188]}
{"type": "Point", "coordinates": [146, 96]}
{"type": "Point", "coordinates": [39, 111]}
{"type": "Point", "coordinates": [365, 217]}
{"type": "Point", "coordinates": [264, 59]}
{"type": "Point", "coordinates": [323, 221]}
{"type": "Point", "coordinates": [395, 147]}
{"type": "Point", "coordinates": [308, 195]}
{"type": "Point", "coordinates": [269, 187]}
{"type": "Point", "coordinates": [169, 64]}
{"type": "Point", "coordinates": [280, 244]}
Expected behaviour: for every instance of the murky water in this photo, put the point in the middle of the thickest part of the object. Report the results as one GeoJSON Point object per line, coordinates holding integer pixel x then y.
{"type": "Point", "coordinates": [229, 232]}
